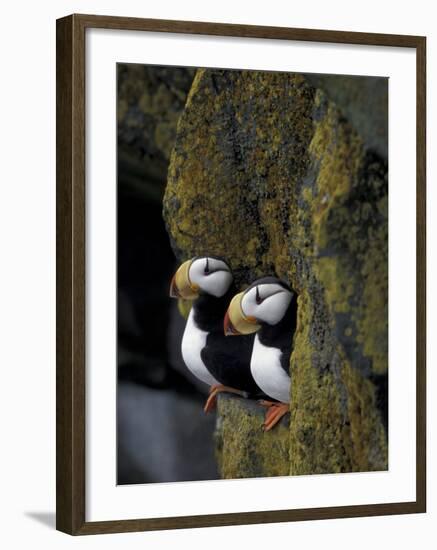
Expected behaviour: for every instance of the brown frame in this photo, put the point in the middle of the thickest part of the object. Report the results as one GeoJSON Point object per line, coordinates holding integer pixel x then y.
{"type": "Point", "coordinates": [70, 297]}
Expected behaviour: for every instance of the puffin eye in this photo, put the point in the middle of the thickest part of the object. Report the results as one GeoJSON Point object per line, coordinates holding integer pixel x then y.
{"type": "Point", "coordinates": [206, 270]}
{"type": "Point", "coordinates": [258, 297]}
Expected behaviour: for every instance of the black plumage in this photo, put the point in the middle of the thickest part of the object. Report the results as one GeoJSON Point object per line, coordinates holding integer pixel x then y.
{"type": "Point", "coordinates": [227, 359]}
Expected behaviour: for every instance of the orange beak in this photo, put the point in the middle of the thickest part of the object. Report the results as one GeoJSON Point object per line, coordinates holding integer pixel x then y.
{"type": "Point", "coordinates": [236, 322]}
{"type": "Point", "coordinates": [228, 327]}
{"type": "Point", "coordinates": [174, 292]}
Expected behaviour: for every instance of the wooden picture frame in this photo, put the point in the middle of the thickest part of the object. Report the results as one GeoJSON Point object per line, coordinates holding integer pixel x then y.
{"type": "Point", "coordinates": [71, 246]}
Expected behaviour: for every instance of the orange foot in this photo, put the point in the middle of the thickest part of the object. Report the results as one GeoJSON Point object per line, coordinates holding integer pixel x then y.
{"type": "Point", "coordinates": [275, 411]}
{"type": "Point", "coordinates": [214, 391]}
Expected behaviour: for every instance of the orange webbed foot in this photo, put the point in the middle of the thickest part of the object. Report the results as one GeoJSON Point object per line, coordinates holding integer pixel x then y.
{"type": "Point", "coordinates": [274, 413]}
{"type": "Point", "coordinates": [214, 390]}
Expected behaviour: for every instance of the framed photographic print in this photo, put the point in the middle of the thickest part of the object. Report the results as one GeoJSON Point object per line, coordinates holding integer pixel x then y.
{"type": "Point", "coordinates": [240, 274]}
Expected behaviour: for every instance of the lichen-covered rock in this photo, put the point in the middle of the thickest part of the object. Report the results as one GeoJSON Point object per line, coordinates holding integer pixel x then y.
{"type": "Point", "coordinates": [267, 172]}
{"type": "Point", "coordinates": [364, 101]}
{"type": "Point", "coordinates": [243, 448]}
{"type": "Point", "coordinates": [150, 100]}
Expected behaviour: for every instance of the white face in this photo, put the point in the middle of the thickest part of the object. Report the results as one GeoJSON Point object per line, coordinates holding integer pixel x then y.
{"type": "Point", "coordinates": [266, 302]}
{"type": "Point", "coordinates": [212, 276]}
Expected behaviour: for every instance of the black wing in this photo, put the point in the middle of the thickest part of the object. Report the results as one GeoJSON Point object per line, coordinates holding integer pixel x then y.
{"type": "Point", "coordinates": [228, 360]}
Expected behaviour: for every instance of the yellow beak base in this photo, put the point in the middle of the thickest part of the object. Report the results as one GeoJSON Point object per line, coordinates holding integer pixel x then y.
{"type": "Point", "coordinates": [236, 322]}
{"type": "Point", "coordinates": [181, 286]}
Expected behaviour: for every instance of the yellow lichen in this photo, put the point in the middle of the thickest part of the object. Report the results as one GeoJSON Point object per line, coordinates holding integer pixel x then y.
{"type": "Point", "coordinates": [245, 450]}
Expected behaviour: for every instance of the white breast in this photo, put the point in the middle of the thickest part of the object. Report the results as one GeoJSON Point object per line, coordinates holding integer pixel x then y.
{"type": "Point", "coordinates": [267, 372]}
{"type": "Point", "coordinates": [193, 341]}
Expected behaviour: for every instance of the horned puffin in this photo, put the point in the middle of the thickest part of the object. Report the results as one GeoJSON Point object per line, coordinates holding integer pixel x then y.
{"type": "Point", "coordinates": [215, 360]}
{"type": "Point", "coordinates": [269, 308]}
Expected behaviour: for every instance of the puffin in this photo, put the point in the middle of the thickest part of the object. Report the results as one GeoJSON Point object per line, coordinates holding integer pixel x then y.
{"type": "Point", "coordinates": [222, 364]}
{"type": "Point", "coordinates": [268, 308]}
